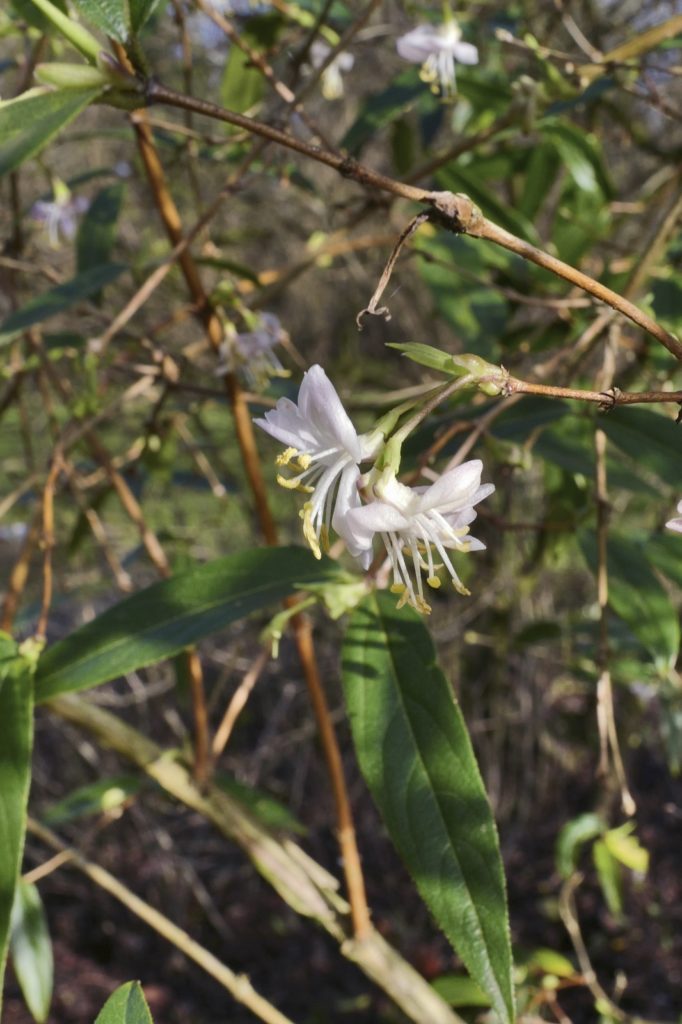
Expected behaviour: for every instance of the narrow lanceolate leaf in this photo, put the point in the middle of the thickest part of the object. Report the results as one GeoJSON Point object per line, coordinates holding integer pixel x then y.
{"type": "Point", "coordinates": [110, 16]}
{"type": "Point", "coordinates": [163, 619]}
{"type": "Point", "coordinates": [29, 122]}
{"type": "Point", "coordinates": [16, 738]}
{"type": "Point", "coordinates": [126, 1006]}
{"type": "Point", "coordinates": [31, 950]}
{"type": "Point", "coordinates": [56, 300]}
{"type": "Point", "coordinates": [417, 759]}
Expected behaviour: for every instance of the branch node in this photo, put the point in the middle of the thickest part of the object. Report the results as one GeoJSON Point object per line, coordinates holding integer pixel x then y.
{"type": "Point", "coordinates": [457, 212]}
{"type": "Point", "coordinates": [609, 399]}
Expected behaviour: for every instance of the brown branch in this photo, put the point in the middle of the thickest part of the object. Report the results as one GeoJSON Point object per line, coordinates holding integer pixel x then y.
{"type": "Point", "coordinates": [456, 212]}
{"type": "Point", "coordinates": [607, 399]}
{"type": "Point", "coordinates": [249, 452]}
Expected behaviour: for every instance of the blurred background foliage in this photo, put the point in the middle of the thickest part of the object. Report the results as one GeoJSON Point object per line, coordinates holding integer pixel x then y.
{"type": "Point", "coordinates": [566, 133]}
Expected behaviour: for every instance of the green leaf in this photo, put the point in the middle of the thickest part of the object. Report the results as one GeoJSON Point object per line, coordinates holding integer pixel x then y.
{"type": "Point", "coordinates": [97, 231]}
{"type": "Point", "coordinates": [127, 1005]}
{"type": "Point", "coordinates": [75, 33]}
{"type": "Point", "coordinates": [59, 299]}
{"type": "Point", "coordinates": [269, 811]}
{"type": "Point", "coordinates": [243, 84]}
{"type": "Point", "coordinates": [580, 156]}
{"type": "Point", "coordinates": [460, 991]}
{"type": "Point", "coordinates": [27, 10]}
{"type": "Point", "coordinates": [415, 754]}
{"type": "Point", "coordinates": [649, 438]}
{"type": "Point", "coordinates": [110, 16]}
{"type": "Point", "coordinates": [16, 741]}
{"type": "Point", "coordinates": [32, 120]}
{"type": "Point", "coordinates": [31, 950]}
{"type": "Point", "coordinates": [94, 798]}
{"type": "Point", "coordinates": [165, 618]}
{"type": "Point", "coordinates": [572, 836]}
{"type": "Point", "coordinates": [382, 109]}
{"type": "Point", "coordinates": [609, 874]}
{"type": "Point", "coordinates": [626, 848]}
{"type": "Point", "coordinates": [141, 11]}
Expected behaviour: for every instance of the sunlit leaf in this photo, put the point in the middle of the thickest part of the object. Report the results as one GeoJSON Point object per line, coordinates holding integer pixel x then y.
{"type": "Point", "coordinates": [416, 756]}
{"type": "Point", "coordinates": [31, 950]}
{"type": "Point", "coordinates": [32, 120]}
{"type": "Point", "coordinates": [168, 616]}
{"type": "Point", "coordinates": [127, 1005]}
{"type": "Point", "coordinates": [16, 741]}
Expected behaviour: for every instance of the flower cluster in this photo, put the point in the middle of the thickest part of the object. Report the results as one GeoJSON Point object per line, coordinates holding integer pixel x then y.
{"type": "Point", "coordinates": [60, 215]}
{"type": "Point", "coordinates": [436, 48]}
{"type": "Point", "coordinates": [419, 527]}
{"type": "Point", "coordinates": [252, 352]}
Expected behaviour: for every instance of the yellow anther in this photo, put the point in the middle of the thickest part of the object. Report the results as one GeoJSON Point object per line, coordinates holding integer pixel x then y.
{"type": "Point", "coordinates": [434, 582]}
{"type": "Point", "coordinates": [324, 537]}
{"type": "Point", "coordinates": [285, 457]}
{"type": "Point", "coordinates": [461, 589]}
{"type": "Point", "coordinates": [308, 529]}
{"type": "Point", "coordinates": [293, 483]}
{"type": "Point", "coordinates": [398, 588]}
{"type": "Point", "coordinates": [422, 606]}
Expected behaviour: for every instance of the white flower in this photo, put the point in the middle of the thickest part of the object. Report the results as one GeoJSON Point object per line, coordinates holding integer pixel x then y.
{"type": "Point", "coordinates": [325, 450]}
{"type": "Point", "coordinates": [332, 83]}
{"type": "Point", "coordinates": [676, 524]}
{"type": "Point", "coordinates": [252, 352]}
{"type": "Point", "coordinates": [415, 521]}
{"type": "Point", "coordinates": [436, 48]}
{"type": "Point", "coordinates": [60, 215]}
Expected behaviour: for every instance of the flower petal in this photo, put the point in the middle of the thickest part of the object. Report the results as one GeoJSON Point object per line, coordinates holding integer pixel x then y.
{"type": "Point", "coordinates": [418, 45]}
{"type": "Point", "coordinates": [465, 53]}
{"type": "Point", "coordinates": [454, 489]}
{"type": "Point", "coordinates": [319, 403]}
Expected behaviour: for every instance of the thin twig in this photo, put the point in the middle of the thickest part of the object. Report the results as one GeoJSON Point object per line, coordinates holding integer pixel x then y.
{"type": "Point", "coordinates": [239, 986]}
{"type": "Point", "coordinates": [458, 212]}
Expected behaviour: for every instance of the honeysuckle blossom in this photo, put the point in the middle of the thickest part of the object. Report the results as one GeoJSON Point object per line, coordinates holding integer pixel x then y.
{"type": "Point", "coordinates": [60, 215]}
{"type": "Point", "coordinates": [417, 522]}
{"type": "Point", "coordinates": [332, 82]}
{"type": "Point", "coordinates": [436, 48]}
{"type": "Point", "coordinates": [251, 352]}
{"type": "Point", "coordinates": [325, 451]}
{"type": "Point", "coordinates": [676, 523]}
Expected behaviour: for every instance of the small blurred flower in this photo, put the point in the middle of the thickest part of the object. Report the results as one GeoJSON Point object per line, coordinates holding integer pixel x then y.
{"type": "Point", "coordinates": [60, 215]}
{"type": "Point", "coordinates": [436, 48]}
{"type": "Point", "coordinates": [252, 352]}
{"type": "Point", "coordinates": [325, 450]}
{"type": "Point", "coordinates": [414, 521]}
{"type": "Point", "coordinates": [332, 83]}
{"type": "Point", "coordinates": [676, 524]}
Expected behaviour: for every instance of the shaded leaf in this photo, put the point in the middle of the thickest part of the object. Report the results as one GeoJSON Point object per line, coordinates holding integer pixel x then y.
{"type": "Point", "coordinates": [29, 122]}
{"type": "Point", "coordinates": [649, 438]}
{"type": "Point", "coordinates": [269, 811]}
{"type": "Point", "coordinates": [416, 756]}
{"type": "Point", "coordinates": [59, 299]}
{"type": "Point", "coordinates": [127, 1005]}
{"type": "Point", "coordinates": [16, 741]}
{"type": "Point", "coordinates": [636, 595]}
{"type": "Point", "coordinates": [163, 619]}
{"type": "Point", "coordinates": [31, 950]}
{"type": "Point", "coordinates": [97, 230]}
{"type": "Point", "coordinates": [95, 798]}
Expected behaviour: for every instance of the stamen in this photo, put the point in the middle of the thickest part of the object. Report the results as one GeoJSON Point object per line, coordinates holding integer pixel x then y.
{"type": "Point", "coordinates": [308, 529]}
